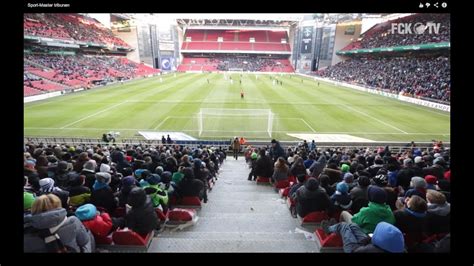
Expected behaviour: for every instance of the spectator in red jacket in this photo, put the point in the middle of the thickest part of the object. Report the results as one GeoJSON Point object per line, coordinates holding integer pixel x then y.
{"type": "Point", "coordinates": [100, 224]}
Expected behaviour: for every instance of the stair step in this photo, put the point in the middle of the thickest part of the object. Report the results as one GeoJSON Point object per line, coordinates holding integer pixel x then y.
{"type": "Point", "coordinates": [242, 224]}
{"type": "Point", "coordinates": [233, 235]}
{"type": "Point", "coordinates": [222, 245]}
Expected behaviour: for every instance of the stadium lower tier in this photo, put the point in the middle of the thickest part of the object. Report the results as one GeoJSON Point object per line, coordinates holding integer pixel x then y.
{"type": "Point", "coordinates": [254, 64]}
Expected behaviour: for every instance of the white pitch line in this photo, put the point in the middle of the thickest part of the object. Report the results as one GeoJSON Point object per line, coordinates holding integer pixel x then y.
{"type": "Point", "coordinates": [161, 123]}
{"type": "Point", "coordinates": [308, 125]}
{"type": "Point", "coordinates": [94, 114]}
{"type": "Point", "coordinates": [378, 120]}
{"type": "Point", "coordinates": [277, 131]}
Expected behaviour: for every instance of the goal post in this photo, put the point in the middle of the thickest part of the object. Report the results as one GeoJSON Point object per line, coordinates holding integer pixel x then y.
{"type": "Point", "coordinates": [235, 122]}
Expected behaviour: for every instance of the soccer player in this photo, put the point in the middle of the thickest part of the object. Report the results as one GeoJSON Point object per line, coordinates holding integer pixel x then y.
{"type": "Point", "coordinates": [241, 93]}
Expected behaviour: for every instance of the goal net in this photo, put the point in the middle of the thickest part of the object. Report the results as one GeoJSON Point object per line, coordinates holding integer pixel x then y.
{"type": "Point", "coordinates": [222, 122]}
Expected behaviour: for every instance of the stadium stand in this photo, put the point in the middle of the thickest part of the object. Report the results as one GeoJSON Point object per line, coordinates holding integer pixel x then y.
{"type": "Point", "coordinates": [83, 70]}
{"type": "Point", "coordinates": [70, 27]}
{"type": "Point", "coordinates": [50, 169]}
{"type": "Point", "coordinates": [409, 75]}
{"type": "Point", "coordinates": [380, 35]}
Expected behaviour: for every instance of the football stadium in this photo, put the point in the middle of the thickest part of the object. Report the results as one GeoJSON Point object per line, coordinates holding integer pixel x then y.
{"type": "Point", "coordinates": [306, 133]}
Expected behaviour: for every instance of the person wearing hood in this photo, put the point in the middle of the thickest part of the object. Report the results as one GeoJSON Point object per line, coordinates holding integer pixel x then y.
{"type": "Point", "coordinates": [359, 194]}
{"type": "Point", "coordinates": [142, 217]}
{"type": "Point", "coordinates": [385, 239]}
{"type": "Point", "coordinates": [411, 221]}
{"type": "Point", "coordinates": [438, 213]}
{"type": "Point", "coordinates": [118, 158]}
{"type": "Point", "coordinates": [49, 218]}
{"type": "Point", "coordinates": [190, 186]}
{"type": "Point", "coordinates": [253, 165]}
{"type": "Point", "coordinates": [317, 167]}
{"type": "Point", "coordinates": [264, 165]}
{"type": "Point", "coordinates": [102, 195]}
{"type": "Point", "coordinates": [309, 198]}
{"type": "Point", "coordinates": [340, 198]}
{"type": "Point", "coordinates": [201, 173]}
{"type": "Point", "coordinates": [298, 167]}
{"type": "Point", "coordinates": [100, 224]}
{"type": "Point", "coordinates": [281, 171]}
{"type": "Point", "coordinates": [47, 186]}
{"type": "Point", "coordinates": [324, 184]}
{"type": "Point", "coordinates": [159, 197]}
{"type": "Point", "coordinates": [88, 171]}
{"type": "Point", "coordinates": [78, 193]}
{"type": "Point", "coordinates": [377, 211]}
{"type": "Point", "coordinates": [127, 183]}
{"type": "Point", "coordinates": [61, 174]}
{"type": "Point", "coordinates": [276, 151]}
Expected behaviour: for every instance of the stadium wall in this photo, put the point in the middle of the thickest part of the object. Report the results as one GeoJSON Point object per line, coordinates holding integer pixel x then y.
{"type": "Point", "coordinates": [342, 39]}
{"type": "Point", "coordinates": [41, 96]}
{"type": "Point", "coordinates": [439, 106]}
{"type": "Point", "coordinates": [132, 39]}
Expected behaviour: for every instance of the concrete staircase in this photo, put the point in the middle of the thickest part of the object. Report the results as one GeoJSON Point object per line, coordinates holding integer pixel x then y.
{"type": "Point", "coordinates": [240, 216]}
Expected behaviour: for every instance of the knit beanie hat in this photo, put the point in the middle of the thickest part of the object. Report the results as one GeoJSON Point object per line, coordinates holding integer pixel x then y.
{"type": "Point", "coordinates": [431, 179]}
{"type": "Point", "coordinates": [377, 194]}
{"type": "Point", "coordinates": [90, 166]}
{"type": "Point", "coordinates": [418, 182]}
{"type": "Point", "coordinates": [28, 199]}
{"type": "Point", "coordinates": [388, 238]}
{"type": "Point", "coordinates": [46, 185]}
{"type": "Point", "coordinates": [86, 212]}
{"type": "Point", "coordinates": [345, 168]}
{"type": "Point", "coordinates": [103, 177]}
{"type": "Point", "coordinates": [153, 179]}
{"type": "Point", "coordinates": [342, 187]}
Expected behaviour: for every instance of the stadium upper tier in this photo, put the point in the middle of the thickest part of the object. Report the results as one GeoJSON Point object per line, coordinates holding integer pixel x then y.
{"type": "Point", "coordinates": [381, 34]}
{"type": "Point", "coordinates": [70, 27]}
{"type": "Point", "coordinates": [52, 72]}
{"type": "Point", "coordinates": [236, 40]}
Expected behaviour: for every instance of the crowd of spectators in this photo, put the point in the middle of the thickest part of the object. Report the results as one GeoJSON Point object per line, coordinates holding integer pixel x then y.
{"type": "Point", "coordinates": [71, 27]}
{"type": "Point", "coordinates": [248, 63]}
{"type": "Point", "coordinates": [78, 187]}
{"type": "Point", "coordinates": [405, 192]}
{"type": "Point", "coordinates": [382, 36]}
{"type": "Point", "coordinates": [422, 77]}
{"type": "Point", "coordinates": [86, 69]}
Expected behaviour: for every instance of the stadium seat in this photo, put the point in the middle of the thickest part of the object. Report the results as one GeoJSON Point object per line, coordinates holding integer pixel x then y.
{"type": "Point", "coordinates": [192, 202]}
{"type": "Point", "coordinates": [282, 184]}
{"type": "Point", "coordinates": [125, 240]}
{"type": "Point", "coordinates": [313, 218]}
{"type": "Point", "coordinates": [263, 180]}
{"type": "Point", "coordinates": [161, 215]}
{"type": "Point", "coordinates": [329, 243]}
{"type": "Point", "coordinates": [180, 216]}
{"type": "Point", "coordinates": [283, 192]}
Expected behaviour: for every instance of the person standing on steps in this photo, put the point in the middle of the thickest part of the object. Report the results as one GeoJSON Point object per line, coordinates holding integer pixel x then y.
{"type": "Point", "coordinates": [236, 147]}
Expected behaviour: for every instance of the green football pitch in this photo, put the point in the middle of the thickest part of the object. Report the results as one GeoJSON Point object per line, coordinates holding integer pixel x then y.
{"type": "Point", "coordinates": [298, 106]}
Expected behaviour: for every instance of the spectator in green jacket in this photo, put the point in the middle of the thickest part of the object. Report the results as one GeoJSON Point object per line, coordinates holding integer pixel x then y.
{"type": "Point", "coordinates": [377, 211]}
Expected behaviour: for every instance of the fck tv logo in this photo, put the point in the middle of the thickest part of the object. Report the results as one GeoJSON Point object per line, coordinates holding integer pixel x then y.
{"type": "Point", "coordinates": [415, 28]}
